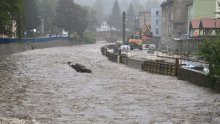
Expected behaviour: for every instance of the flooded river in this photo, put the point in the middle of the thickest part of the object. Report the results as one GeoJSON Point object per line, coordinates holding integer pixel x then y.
{"type": "Point", "coordinates": [39, 87]}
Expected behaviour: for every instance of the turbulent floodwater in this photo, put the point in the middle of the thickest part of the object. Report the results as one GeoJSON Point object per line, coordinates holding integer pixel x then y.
{"type": "Point", "coordinates": [38, 86]}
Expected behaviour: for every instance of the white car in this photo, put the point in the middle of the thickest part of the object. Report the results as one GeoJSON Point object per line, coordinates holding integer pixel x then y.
{"type": "Point", "coordinates": [125, 47]}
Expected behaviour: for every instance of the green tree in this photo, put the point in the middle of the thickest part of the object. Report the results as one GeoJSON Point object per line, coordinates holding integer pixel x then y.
{"type": "Point", "coordinates": [71, 17]}
{"type": "Point", "coordinates": [32, 16]}
{"type": "Point", "coordinates": [98, 7]}
{"type": "Point", "coordinates": [130, 17]}
{"type": "Point", "coordinates": [115, 19]}
{"type": "Point", "coordinates": [91, 19]}
{"type": "Point", "coordinates": [47, 9]}
{"type": "Point", "coordinates": [210, 52]}
{"type": "Point", "coordinates": [11, 12]}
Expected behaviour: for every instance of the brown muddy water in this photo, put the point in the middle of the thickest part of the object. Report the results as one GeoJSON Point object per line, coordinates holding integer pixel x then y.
{"type": "Point", "coordinates": [38, 87]}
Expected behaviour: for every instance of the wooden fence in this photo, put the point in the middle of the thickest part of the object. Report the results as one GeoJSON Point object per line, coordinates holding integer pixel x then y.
{"type": "Point", "coordinates": [159, 67]}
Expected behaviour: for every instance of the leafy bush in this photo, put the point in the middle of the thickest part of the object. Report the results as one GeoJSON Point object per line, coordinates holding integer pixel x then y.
{"type": "Point", "coordinates": [210, 52]}
{"type": "Point", "coordinates": [75, 38]}
{"type": "Point", "coordinates": [89, 37]}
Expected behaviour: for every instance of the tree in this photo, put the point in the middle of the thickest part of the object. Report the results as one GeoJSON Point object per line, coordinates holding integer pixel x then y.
{"type": "Point", "coordinates": [98, 7]}
{"type": "Point", "coordinates": [71, 17]}
{"type": "Point", "coordinates": [210, 52]}
{"type": "Point", "coordinates": [32, 20]}
{"type": "Point", "coordinates": [47, 9]}
{"type": "Point", "coordinates": [91, 19]}
{"type": "Point", "coordinates": [131, 17]}
{"type": "Point", "coordinates": [11, 12]}
{"type": "Point", "coordinates": [115, 19]}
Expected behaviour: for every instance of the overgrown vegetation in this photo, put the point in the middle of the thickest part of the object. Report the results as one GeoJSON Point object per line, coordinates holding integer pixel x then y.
{"type": "Point", "coordinates": [11, 14]}
{"type": "Point", "coordinates": [47, 10]}
{"type": "Point", "coordinates": [32, 20]}
{"type": "Point", "coordinates": [71, 17]}
{"type": "Point", "coordinates": [88, 38]}
{"type": "Point", "coordinates": [115, 17]}
{"type": "Point", "coordinates": [210, 52]}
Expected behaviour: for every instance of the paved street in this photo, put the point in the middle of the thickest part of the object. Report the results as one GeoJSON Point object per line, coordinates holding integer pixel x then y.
{"type": "Point", "coordinates": [39, 85]}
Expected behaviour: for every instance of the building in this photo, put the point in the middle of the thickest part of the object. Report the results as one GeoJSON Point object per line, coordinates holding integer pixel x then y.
{"type": "Point", "coordinates": [156, 22]}
{"type": "Point", "coordinates": [144, 18]}
{"type": "Point", "coordinates": [104, 27]}
{"type": "Point", "coordinates": [174, 17]}
{"type": "Point", "coordinates": [205, 9]}
{"type": "Point", "coordinates": [196, 11]}
{"type": "Point", "coordinates": [204, 26]}
{"type": "Point", "coordinates": [13, 29]}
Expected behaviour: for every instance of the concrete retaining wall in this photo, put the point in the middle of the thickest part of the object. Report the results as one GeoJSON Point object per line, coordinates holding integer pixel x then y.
{"type": "Point", "coordinates": [192, 76]}
{"type": "Point", "coordinates": [197, 77]}
{"type": "Point", "coordinates": [186, 74]}
{"type": "Point", "coordinates": [9, 48]}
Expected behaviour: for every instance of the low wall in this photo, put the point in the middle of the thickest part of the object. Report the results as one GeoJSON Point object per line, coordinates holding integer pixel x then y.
{"type": "Point", "coordinates": [112, 57]}
{"type": "Point", "coordinates": [32, 40]}
{"type": "Point", "coordinates": [134, 63]}
{"type": "Point", "coordinates": [164, 68]}
{"type": "Point", "coordinates": [197, 77]}
{"type": "Point", "coordinates": [10, 46]}
{"type": "Point", "coordinates": [124, 59]}
{"type": "Point", "coordinates": [158, 67]}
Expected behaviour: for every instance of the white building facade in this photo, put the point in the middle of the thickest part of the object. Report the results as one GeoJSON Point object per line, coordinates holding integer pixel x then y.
{"type": "Point", "coordinates": [104, 27]}
{"type": "Point", "coordinates": [156, 22]}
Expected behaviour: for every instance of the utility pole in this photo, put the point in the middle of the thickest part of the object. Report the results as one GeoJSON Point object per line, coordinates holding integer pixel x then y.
{"type": "Point", "coordinates": [139, 28]}
{"type": "Point", "coordinates": [124, 19]}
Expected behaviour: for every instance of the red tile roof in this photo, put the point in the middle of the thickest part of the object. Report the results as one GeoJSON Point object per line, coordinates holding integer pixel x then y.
{"type": "Point", "coordinates": [195, 24]}
{"type": "Point", "coordinates": [218, 23]}
{"type": "Point", "coordinates": [205, 23]}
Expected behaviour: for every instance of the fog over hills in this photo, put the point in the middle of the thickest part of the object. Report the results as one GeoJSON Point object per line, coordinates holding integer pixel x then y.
{"type": "Point", "coordinates": [124, 4]}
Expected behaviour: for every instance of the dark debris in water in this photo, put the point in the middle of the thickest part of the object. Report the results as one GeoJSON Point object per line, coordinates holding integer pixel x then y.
{"type": "Point", "coordinates": [79, 68]}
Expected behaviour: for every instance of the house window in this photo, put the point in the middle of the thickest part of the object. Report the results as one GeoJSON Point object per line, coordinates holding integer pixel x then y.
{"type": "Point", "coordinates": [157, 13]}
{"type": "Point", "coordinates": [157, 22]}
{"type": "Point", "coordinates": [157, 31]}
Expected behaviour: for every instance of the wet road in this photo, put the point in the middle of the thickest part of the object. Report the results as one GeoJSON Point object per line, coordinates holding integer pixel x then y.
{"type": "Point", "coordinates": [40, 85]}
